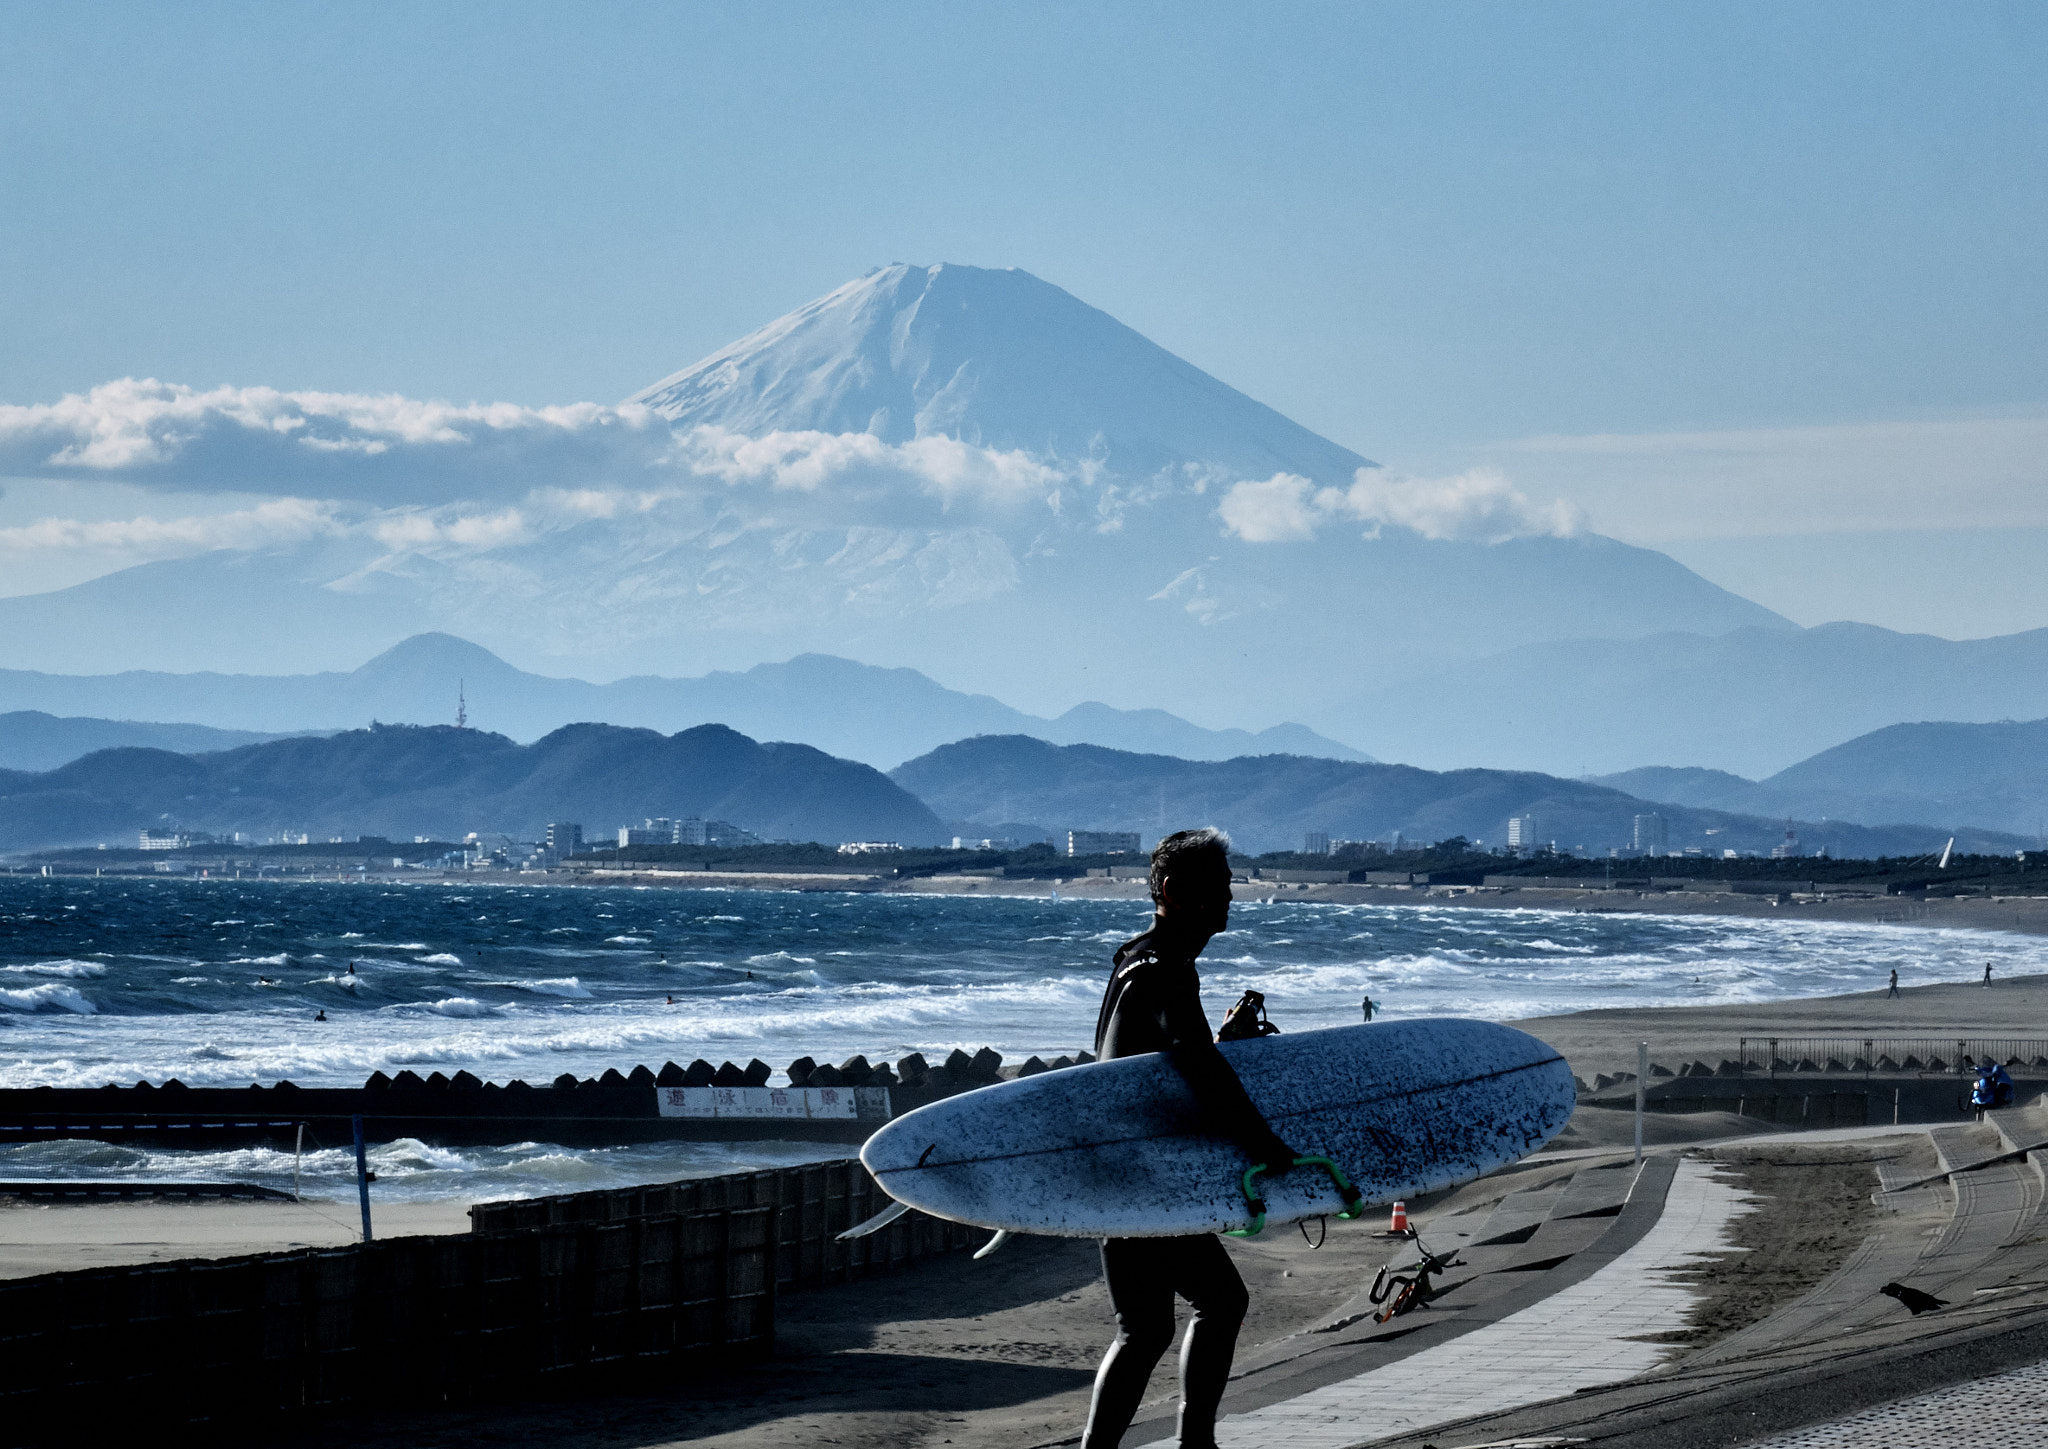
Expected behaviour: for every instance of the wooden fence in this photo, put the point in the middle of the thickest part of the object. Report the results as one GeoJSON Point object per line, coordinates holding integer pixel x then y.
{"type": "Point", "coordinates": [813, 1204]}
{"type": "Point", "coordinates": [406, 1321]}
{"type": "Point", "coordinates": [584, 1290]}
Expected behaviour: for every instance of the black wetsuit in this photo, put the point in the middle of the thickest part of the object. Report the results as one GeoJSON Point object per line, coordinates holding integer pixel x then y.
{"type": "Point", "coordinates": [1153, 1004]}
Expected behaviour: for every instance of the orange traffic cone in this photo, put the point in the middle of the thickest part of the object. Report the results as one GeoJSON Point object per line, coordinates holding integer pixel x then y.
{"type": "Point", "coordinates": [1400, 1222]}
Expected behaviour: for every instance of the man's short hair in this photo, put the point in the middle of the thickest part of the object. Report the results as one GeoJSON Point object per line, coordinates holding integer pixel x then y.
{"type": "Point", "coordinates": [1173, 855]}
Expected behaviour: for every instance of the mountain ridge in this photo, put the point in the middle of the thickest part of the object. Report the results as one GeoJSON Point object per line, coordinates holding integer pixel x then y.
{"type": "Point", "coordinates": [1991, 775]}
{"type": "Point", "coordinates": [436, 780]}
{"type": "Point", "coordinates": [1270, 803]}
{"type": "Point", "coordinates": [878, 715]}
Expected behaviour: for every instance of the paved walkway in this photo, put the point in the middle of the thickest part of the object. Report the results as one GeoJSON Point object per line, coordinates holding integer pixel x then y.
{"type": "Point", "coordinates": [1999, 1410]}
{"type": "Point", "coordinates": [1593, 1333]}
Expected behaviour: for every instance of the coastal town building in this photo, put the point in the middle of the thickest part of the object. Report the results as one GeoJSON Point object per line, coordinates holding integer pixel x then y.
{"type": "Point", "coordinates": [1102, 842]}
{"type": "Point", "coordinates": [1316, 842]}
{"type": "Point", "coordinates": [1652, 835]}
{"type": "Point", "coordinates": [564, 837]}
{"type": "Point", "coordinates": [1521, 832]}
{"type": "Point", "coordinates": [690, 830]}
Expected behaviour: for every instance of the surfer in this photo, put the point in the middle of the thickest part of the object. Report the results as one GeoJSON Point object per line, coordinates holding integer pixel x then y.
{"type": "Point", "coordinates": [1153, 1004]}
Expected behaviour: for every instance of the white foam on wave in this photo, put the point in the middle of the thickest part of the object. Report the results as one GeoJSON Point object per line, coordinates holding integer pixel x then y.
{"type": "Point", "coordinates": [565, 986]}
{"type": "Point", "coordinates": [459, 1006]}
{"type": "Point", "coordinates": [75, 970]}
{"type": "Point", "coordinates": [627, 940]}
{"type": "Point", "coordinates": [280, 959]}
{"type": "Point", "coordinates": [50, 996]}
{"type": "Point", "coordinates": [441, 958]}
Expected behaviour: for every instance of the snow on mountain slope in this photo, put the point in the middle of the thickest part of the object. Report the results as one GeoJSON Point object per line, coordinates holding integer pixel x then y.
{"type": "Point", "coordinates": [998, 359]}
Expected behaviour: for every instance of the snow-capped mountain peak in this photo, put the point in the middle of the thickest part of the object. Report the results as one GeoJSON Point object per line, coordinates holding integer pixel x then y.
{"type": "Point", "coordinates": [999, 359]}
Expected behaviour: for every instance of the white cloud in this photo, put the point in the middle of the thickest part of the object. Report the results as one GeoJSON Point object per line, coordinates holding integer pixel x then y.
{"type": "Point", "coordinates": [941, 468]}
{"type": "Point", "coordinates": [260, 439]}
{"type": "Point", "coordinates": [1282, 509]}
{"type": "Point", "coordinates": [389, 449]}
{"type": "Point", "coordinates": [1478, 506]}
{"type": "Point", "coordinates": [133, 540]}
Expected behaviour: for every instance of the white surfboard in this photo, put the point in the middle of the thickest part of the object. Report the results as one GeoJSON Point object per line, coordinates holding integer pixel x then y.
{"type": "Point", "coordinates": [1113, 1149]}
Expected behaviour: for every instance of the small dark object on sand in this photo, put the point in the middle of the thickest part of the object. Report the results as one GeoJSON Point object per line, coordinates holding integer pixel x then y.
{"type": "Point", "coordinates": [1913, 1298]}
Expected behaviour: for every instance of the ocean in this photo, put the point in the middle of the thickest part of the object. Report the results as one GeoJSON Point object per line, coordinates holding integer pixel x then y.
{"type": "Point", "coordinates": [219, 982]}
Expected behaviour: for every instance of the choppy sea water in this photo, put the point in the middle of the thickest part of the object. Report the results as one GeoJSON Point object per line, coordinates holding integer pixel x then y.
{"type": "Point", "coordinates": [219, 982]}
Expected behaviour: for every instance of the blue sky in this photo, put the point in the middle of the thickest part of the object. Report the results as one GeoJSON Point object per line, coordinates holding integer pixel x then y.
{"type": "Point", "coordinates": [1607, 248]}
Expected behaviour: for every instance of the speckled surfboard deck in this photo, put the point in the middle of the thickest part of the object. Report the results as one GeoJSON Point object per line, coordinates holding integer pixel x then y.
{"type": "Point", "coordinates": [1112, 1149]}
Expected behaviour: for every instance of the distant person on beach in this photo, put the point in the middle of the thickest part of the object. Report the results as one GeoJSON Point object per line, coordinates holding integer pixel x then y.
{"type": "Point", "coordinates": [1987, 973]}
{"type": "Point", "coordinates": [1368, 1008]}
{"type": "Point", "coordinates": [1895, 984]}
{"type": "Point", "coordinates": [1153, 1004]}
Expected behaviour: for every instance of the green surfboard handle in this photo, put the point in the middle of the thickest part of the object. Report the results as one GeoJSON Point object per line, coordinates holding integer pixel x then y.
{"type": "Point", "coordinates": [1354, 1200]}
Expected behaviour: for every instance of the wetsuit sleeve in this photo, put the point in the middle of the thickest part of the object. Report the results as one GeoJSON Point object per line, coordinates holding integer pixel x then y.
{"type": "Point", "coordinates": [1226, 1107]}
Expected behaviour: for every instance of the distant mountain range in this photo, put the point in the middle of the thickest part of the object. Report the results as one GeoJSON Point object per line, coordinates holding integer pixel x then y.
{"type": "Point", "coordinates": [1750, 702]}
{"type": "Point", "coordinates": [1990, 776]}
{"type": "Point", "coordinates": [33, 740]}
{"type": "Point", "coordinates": [972, 473]}
{"type": "Point", "coordinates": [1271, 803]}
{"type": "Point", "coordinates": [857, 711]}
{"type": "Point", "coordinates": [443, 782]}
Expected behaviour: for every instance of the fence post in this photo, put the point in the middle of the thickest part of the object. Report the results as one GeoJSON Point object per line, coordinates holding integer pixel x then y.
{"type": "Point", "coordinates": [362, 1176]}
{"type": "Point", "coordinates": [1642, 1071]}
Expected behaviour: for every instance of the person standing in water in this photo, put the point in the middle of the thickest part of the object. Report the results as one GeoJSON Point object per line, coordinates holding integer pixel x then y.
{"type": "Point", "coordinates": [1153, 1004]}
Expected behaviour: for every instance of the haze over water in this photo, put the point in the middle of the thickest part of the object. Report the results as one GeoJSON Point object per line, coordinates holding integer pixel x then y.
{"type": "Point", "coordinates": [218, 982]}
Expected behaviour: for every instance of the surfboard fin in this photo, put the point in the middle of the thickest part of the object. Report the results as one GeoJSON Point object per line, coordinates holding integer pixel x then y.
{"type": "Point", "coordinates": [876, 1223]}
{"type": "Point", "coordinates": [1002, 1236]}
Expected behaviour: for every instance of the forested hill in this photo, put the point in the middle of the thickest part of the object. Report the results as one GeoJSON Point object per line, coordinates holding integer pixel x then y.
{"type": "Point", "coordinates": [1269, 802]}
{"type": "Point", "coordinates": [439, 781]}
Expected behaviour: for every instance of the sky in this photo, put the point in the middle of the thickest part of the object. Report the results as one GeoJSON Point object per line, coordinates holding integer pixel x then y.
{"type": "Point", "coordinates": [1757, 285]}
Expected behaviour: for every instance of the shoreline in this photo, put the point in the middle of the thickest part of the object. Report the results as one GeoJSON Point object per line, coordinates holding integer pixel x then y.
{"type": "Point", "coordinates": [2019, 915]}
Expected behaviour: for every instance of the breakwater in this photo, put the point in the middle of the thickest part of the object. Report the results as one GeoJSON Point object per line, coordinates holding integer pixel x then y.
{"type": "Point", "coordinates": [571, 1294]}
{"type": "Point", "coordinates": [699, 1102]}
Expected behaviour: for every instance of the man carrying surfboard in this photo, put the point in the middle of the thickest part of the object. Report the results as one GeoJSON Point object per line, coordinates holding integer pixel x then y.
{"type": "Point", "coordinates": [1153, 1004]}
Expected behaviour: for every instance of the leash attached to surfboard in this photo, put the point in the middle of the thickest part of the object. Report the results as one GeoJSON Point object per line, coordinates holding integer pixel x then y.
{"type": "Point", "coordinates": [1354, 1200]}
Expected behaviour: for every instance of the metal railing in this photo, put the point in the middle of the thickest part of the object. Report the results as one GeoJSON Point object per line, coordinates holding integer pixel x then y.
{"type": "Point", "coordinates": [1775, 1054]}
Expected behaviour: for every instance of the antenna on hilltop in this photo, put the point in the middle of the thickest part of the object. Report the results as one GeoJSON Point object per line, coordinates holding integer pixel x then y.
{"type": "Point", "coordinates": [461, 706]}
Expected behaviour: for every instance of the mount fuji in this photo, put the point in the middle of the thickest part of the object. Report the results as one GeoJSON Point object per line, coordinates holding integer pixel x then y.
{"type": "Point", "coordinates": [962, 471]}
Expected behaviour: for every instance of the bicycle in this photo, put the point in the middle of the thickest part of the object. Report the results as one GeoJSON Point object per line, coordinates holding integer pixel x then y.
{"type": "Point", "coordinates": [1409, 1285]}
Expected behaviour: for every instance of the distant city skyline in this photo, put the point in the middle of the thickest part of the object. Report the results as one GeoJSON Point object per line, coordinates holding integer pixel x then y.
{"type": "Point", "coordinates": [1752, 286]}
